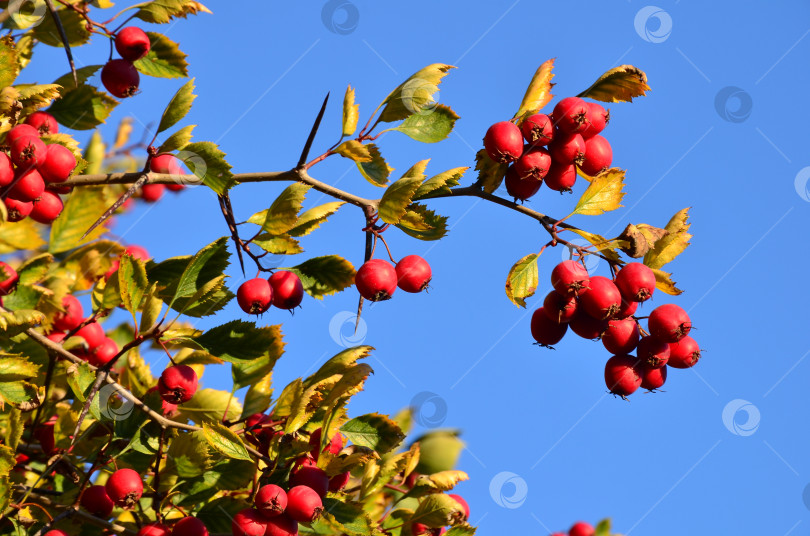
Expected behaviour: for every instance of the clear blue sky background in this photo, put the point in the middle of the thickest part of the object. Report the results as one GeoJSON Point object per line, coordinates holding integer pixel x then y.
{"type": "Point", "coordinates": [661, 464]}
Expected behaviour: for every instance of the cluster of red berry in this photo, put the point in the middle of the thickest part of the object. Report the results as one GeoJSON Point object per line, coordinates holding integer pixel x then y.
{"type": "Point", "coordinates": [31, 170]}
{"type": "Point", "coordinates": [124, 488]}
{"type": "Point", "coordinates": [600, 307]}
{"type": "Point", "coordinates": [162, 163]}
{"type": "Point", "coordinates": [377, 279]}
{"type": "Point", "coordinates": [282, 289]}
{"type": "Point", "coordinates": [120, 76]}
{"type": "Point", "coordinates": [580, 528]}
{"type": "Point", "coordinates": [554, 146]}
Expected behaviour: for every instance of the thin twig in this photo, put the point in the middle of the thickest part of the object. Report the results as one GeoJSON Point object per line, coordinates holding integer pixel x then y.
{"type": "Point", "coordinates": [63, 36]}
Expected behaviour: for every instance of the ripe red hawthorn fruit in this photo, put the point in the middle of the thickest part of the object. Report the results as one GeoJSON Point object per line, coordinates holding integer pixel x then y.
{"type": "Point", "coordinates": [504, 142]}
{"type": "Point", "coordinates": [334, 446]}
{"type": "Point", "coordinates": [419, 528]}
{"type": "Point", "coordinates": [567, 149]}
{"type": "Point", "coordinates": [271, 500]}
{"type": "Point", "coordinates": [561, 177]}
{"type": "Point", "coordinates": [519, 188]}
{"type": "Point", "coordinates": [166, 164]}
{"type": "Point", "coordinates": [312, 477]}
{"type": "Point", "coordinates": [44, 434]}
{"type": "Point", "coordinates": [58, 164]}
{"type": "Point", "coordinates": [137, 252]}
{"type": "Point", "coordinates": [338, 482]}
{"type": "Point", "coordinates": [47, 208]}
{"type": "Point", "coordinates": [104, 353]}
{"type": "Point", "coordinates": [653, 352]}
{"type": "Point", "coordinates": [684, 354]}
{"type": "Point", "coordinates": [27, 151]}
{"type": "Point", "coordinates": [464, 506]}
{"type": "Point", "coordinates": [598, 155]}
{"type": "Point", "coordinates": [282, 525]}
{"type": "Point", "coordinates": [154, 529]}
{"type": "Point", "coordinates": [652, 378]}
{"type": "Point", "coordinates": [669, 323]}
{"type": "Point", "coordinates": [125, 487]}
{"type": "Point", "coordinates": [132, 43]}
{"type": "Point", "coordinates": [255, 296]}
{"type": "Point", "coordinates": [121, 78]}
{"type": "Point", "coordinates": [57, 532]}
{"type": "Point", "coordinates": [248, 522]}
{"type": "Point", "coordinates": [602, 299]}
{"type": "Point", "coordinates": [622, 375]}
{"type": "Point", "coordinates": [537, 130]}
{"type": "Point", "coordinates": [177, 384]}
{"type": "Point", "coordinates": [598, 119]}
{"type": "Point", "coordinates": [627, 309]}
{"type": "Point", "coordinates": [303, 504]}
{"type": "Point", "coordinates": [152, 192]}
{"type": "Point", "coordinates": [545, 330]}
{"type": "Point", "coordinates": [96, 501]}
{"type": "Point", "coordinates": [570, 278]}
{"type": "Point", "coordinates": [559, 307]}
{"type": "Point", "coordinates": [6, 170]}
{"type": "Point", "coordinates": [533, 164]}
{"type": "Point", "coordinates": [19, 131]}
{"type": "Point", "coordinates": [252, 425]}
{"type": "Point", "coordinates": [587, 326]}
{"type": "Point", "coordinates": [621, 336]}
{"type": "Point", "coordinates": [581, 528]}
{"type": "Point", "coordinates": [8, 279]}
{"type": "Point", "coordinates": [413, 273]}
{"type": "Point", "coordinates": [44, 122]}
{"type": "Point", "coordinates": [376, 280]}
{"type": "Point", "coordinates": [570, 115]}
{"type": "Point", "coordinates": [93, 335]}
{"type": "Point", "coordinates": [28, 185]}
{"type": "Point", "coordinates": [636, 282]}
{"type": "Point", "coordinates": [189, 526]}
{"type": "Point", "coordinates": [18, 210]}
{"type": "Point", "coordinates": [288, 291]}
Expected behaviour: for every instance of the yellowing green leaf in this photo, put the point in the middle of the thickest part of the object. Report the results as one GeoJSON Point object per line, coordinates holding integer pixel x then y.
{"type": "Point", "coordinates": [437, 510]}
{"type": "Point", "coordinates": [9, 67]}
{"type": "Point", "coordinates": [82, 209]}
{"type": "Point", "coordinates": [206, 161]}
{"type": "Point", "coordinates": [664, 283]}
{"type": "Point", "coordinates": [415, 94]}
{"type": "Point", "coordinates": [673, 243]}
{"type": "Point", "coordinates": [490, 173]}
{"type": "Point", "coordinates": [422, 223]}
{"type": "Point", "coordinates": [209, 405]}
{"type": "Point", "coordinates": [177, 141]}
{"type": "Point", "coordinates": [350, 112]}
{"type": "Point", "coordinates": [377, 170]}
{"type": "Point", "coordinates": [620, 84]}
{"type": "Point", "coordinates": [225, 441]}
{"type": "Point", "coordinates": [283, 213]}
{"type": "Point", "coordinates": [354, 150]}
{"type": "Point", "coordinates": [164, 60]}
{"type": "Point", "coordinates": [132, 282]}
{"type": "Point", "coordinates": [20, 236]}
{"type": "Point", "coordinates": [278, 245]}
{"type": "Point", "coordinates": [522, 280]}
{"type": "Point", "coordinates": [178, 107]}
{"type": "Point", "coordinates": [36, 96]}
{"type": "Point", "coordinates": [313, 218]}
{"type": "Point", "coordinates": [397, 197]}
{"type": "Point", "coordinates": [441, 183]}
{"type": "Point", "coordinates": [429, 126]}
{"type": "Point", "coordinates": [538, 94]}
{"type": "Point", "coordinates": [163, 11]}
{"type": "Point", "coordinates": [601, 244]}
{"type": "Point", "coordinates": [603, 194]}
{"type": "Point", "coordinates": [374, 431]}
{"type": "Point", "coordinates": [75, 29]}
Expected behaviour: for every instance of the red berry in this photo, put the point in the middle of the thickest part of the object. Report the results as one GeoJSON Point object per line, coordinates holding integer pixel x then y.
{"type": "Point", "coordinates": [636, 282]}
{"type": "Point", "coordinates": [418, 529]}
{"type": "Point", "coordinates": [282, 525]}
{"type": "Point", "coordinates": [570, 278]}
{"type": "Point", "coordinates": [58, 164]}
{"type": "Point", "coordinates": [177, 384]}
{"type": "Point", "coordinates": [464, 506]}
{"type": "Point", "coordinates": [545, 330]}
{"type": "Point", "coordinates": [8, 279]}
{"type": "Point", "coordinates": [152, 192]}
{"type": "Point", "coordinates": [189, 526]}
{"type": "Point", "coordinates": [598, 117]}
{"type": "Point", "coordinates": [303, 504]}
{"type": "Point", "coordinates": [271, 500]}
{"type": "Point", "coordinates": [669, 323]}
{"type": "Point", "coordinates": [312, 477]}
{"type": "Point", "coordinates": [248, 522]}
{"type": "Point", "coordinates": [581, 529]}
{"type": "Point", "coordinates": [28, 185]}
{"type": "Point", "coordinates": [537, 130]}
{"type": "Point", "coordinates": [598, 155]}
{"type": "Point", "coordinates": [47, 208]}
{"type": "Point", "coordinates": [137, 252]}
{"type": "Point", "coordinates": [28, 151]}
{"type": "Point", "coordinates": [166, 164]}
{"type": "Point", "coordinates": [96, 501]}
{"type": "Point", "coordinates": [18, 210]}
{"type": "Point", "coordinates": [288, 291]}
{"type": "Point", "coordinates": [255, 296]}
{"type": "Point", "coordinates": [567, 149]}
{"type": "Point", "coordinates": [503, 142]}
{"type": "Point", "coordinates": [6, 170]}
{"type": "Point", "coordinates": [413, 273]}
{"type": "Point", "coordinates": [154, 529]}
{"type": "Point", "coordinates": [57, 532]}
{"type": "Point", "coordinates": [338, 482]}
{"type": "Point", "coordinates": [44, 122]}
{"type": "Point", "coordinates": [519, 188]}
{"type": "Point", "coordinates": [684, 354]}
{"type": "Point", "coordinates": [587, 326]}
{"type": "Point", "coordinates": [132, 43]}
{"type": "Point", "coordinates": [652, 378]}
{"type": "Point", "coordinates": [19, 131]}
{"type": "Point", "coordinates": [561, 177]}
{"type": "Point", "coordinates": [121, 78]}
{"type": "Point", "coordinates": [559, 307]}
{"type": "Point", "coordinates": [125, 487]}
{"type": "Point", "coordinates": [104, 353]}
{"type": "Point", "coordinates": [47, 441]}
{"type": "Point", "coordinates": [93, 335]}
{"type": "Point", "coordinates": [571, 115]}
{"type": "Point", "coordinates": [376, 280]}
{"type": "Point", "coordinates": [653, 352]}
{"type": "Point", "coordinates": [621, 336]}
{"type": "Point", "coordinates": [621, 375]}
{"type": "Point", "coordinates": [627, 309]}
{"type": "Point", "coordinates": [254, 429]}
{"type": "Point", "coordinates": [602, 299]}
{"type": "Point", "coordinates": [534, 164]}
{"type": "Point", "coordinates": [334, 446]}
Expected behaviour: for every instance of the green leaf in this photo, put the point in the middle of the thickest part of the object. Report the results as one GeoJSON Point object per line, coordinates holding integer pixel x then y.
{"type": "Point", "coordinates": [210, 262]}
{"type": "Point", "coordinates": [350, 112]}
{"type": "Point", "coordinates": [34, 269]}
{"type": "Point", "coordinates": [278, 245]}
{"type": "Point", "coordinates": [437, 510]}
{"type": "Point", "coordinates": [163, 11]}
{"type": "Point", "coordinates": [397, 197]}
{"type": "Point", "coordinates": [521, 283]}
{"type": "Point", "coordinates": [490, 172]}
{"type": "Point", "coordinates": [377, 171]}
{"type": "Point", "coordinates": [538, 94]}
{"type": "Point", "coordinates": [258, 396]}
{"type": "Point", "coordinates": [82, 209]}
{"type": "Point", "coordinates": [439, 451]}
{"type": "Point", "coordinates": [602, 195]}
{"type": "Point", "coordinates": [80, 377]}
{"type": "Point", "coordinates": [422, 223]}
{"type": "Point", "coordinates": [313, 218]}
{"type": "Point", "coordinates": [375, 431]}
{"type": "Point", "coordinates": [164, 60]}
{"type": "Point", "coordinates": [429, 127]}
{"type": "Point", "coordinates": [247, 373]}
{"type": "Point", "coordinates": [187, 455]}
{"type": "Point", "coordinates": [324, 276]}
{"type": "Point", "coordinates": [75, 28]}
{"type": "Point", "coordinates": [462, 530]}
{"type": "Point", "coordinates": [620, 84]}
{"type": "Point", "coordinates": [82, 108]}
{"type": "Point", "coordinates": [152, 306]}
{"type": "Point", "coordinates": [132, 282]}
{"type": "Point", "coordinates": [82, 75]}
{"type": "Point", "coordinates": [205, 160]}
{"type": "Point", "coordinates": [177, 141]}
{"type": "Point", "coordinates": [415, 94]}
{"type": "Point", "coordinates": [17, 393]}
{"type": "Point", "coordinates": [209, 405]}
{"type": "Point", "coordinates": [283, 213]}
{"type": "Point", "coordinates": [354, 150]}
{"type": "Point", "coordinates": [603, 528]}
{"type": "Point", "coordinates": [441, 183]}
{"type": "Point", "coordinates": [178, 107]}
{"type": "Point", "coordinates": [225, 441]}
{"type": "Point", "coordinates": [238, 340]}
{"type": "Point", "coordinates": [217, 514]}
{"type": "Point", "coordinates": [673, 243]}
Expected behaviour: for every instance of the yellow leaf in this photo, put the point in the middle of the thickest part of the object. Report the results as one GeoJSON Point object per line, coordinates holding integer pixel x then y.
{"type": "Point", "coordinates": [354, 150]}
{"type": "Point", "coordinates": [350, 112]}
{"type": "Point", "coordinates": [123, 132]}
{"type": "Point", "coordinates": [538, 94]}
{"type": "Point", "coordinates": [603, 194]}
{"type": "Point", "coordinates": [522, 280]}
{"type": "Point", "coordinates": [600, 243]}
{"type": "Point", "coordinates": [620, 84]}
{"type": "Point", "coordinates": [673, 243]}
{"type": "Point", "coordinates": [664, 283]}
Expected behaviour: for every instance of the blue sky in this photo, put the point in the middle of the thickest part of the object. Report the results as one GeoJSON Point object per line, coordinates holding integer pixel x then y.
{"type": "Point", "coordinates": [661, 464]}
